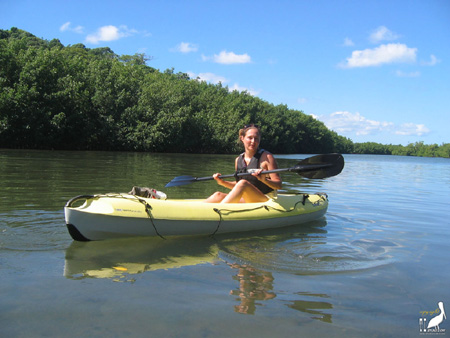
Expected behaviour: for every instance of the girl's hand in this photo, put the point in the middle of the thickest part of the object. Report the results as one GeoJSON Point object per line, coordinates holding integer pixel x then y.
{"type": "Point", "coordinates": [257, 174]}
{"type": "Point", "coordinates": [218, 179]}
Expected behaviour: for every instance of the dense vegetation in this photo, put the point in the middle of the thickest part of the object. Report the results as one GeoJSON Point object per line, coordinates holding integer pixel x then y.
{"type": "Point", "coordinates": [412, 149]}
{"type": "Point", "coordinates": [73, 97]}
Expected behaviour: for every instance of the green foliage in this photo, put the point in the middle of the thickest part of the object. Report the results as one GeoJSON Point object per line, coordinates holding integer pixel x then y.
{"type": "Point", "coordinates": [56, 97]}
{"type": "Point", "coordinates": [412, 149]}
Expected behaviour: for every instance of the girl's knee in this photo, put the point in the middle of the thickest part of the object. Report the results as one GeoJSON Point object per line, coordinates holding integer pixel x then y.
{"type": "Point", "coordinates": [243, 183]}
{"type": "Point", "coordinates": [217, 197]}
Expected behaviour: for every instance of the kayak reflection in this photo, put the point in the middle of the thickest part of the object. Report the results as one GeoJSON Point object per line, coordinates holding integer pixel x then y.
{"type": "Point", "coordinates": [122, 258]}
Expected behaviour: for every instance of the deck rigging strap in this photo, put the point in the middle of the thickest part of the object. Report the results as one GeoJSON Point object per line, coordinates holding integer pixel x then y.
{"type": "Point", "coordinates": [147, 207]}
{"type": "Point", "coordinates": [148, 210]}
{"type": "Point", "coordinates": [228, 211]}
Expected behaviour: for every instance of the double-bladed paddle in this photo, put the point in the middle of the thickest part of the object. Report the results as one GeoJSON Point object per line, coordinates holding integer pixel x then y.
{"type": "Point", "coordinates": [319, 166]}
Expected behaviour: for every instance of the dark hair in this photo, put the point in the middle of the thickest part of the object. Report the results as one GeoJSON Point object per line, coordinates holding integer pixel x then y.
{"type": "Point", "coordinates": [246, 128]}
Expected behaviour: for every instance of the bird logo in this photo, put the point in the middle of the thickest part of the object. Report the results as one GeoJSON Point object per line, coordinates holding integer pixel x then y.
{"type": "Point", "coordinates": [433, 324]}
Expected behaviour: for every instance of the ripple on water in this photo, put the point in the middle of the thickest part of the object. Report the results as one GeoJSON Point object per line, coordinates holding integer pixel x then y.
{"type": "Point", "coordinates": [33, 230]}
{"type": "Point", "coordinates": [313, 251]}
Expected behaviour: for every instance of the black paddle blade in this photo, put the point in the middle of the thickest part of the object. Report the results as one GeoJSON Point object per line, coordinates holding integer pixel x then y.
{"type": "Point", "coordinates": [320, 166]}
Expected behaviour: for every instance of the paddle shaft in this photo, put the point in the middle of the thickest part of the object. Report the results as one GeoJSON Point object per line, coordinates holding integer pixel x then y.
{"type": "Point", "coordinates": [292, 169]}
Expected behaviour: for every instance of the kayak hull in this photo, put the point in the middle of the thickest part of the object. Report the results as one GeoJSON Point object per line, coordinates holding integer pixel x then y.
{"type": "Point", "coordinates": [121, 215]}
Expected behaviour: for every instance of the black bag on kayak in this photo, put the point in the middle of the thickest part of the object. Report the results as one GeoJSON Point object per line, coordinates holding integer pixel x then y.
{"type": "Point", "coordinates": [148, 193]}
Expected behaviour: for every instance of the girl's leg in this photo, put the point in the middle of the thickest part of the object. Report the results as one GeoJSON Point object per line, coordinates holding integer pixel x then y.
{"type": "Point", "coordinates": [217, 197]}
{"type": "Point", "coordinates": [244, 189]}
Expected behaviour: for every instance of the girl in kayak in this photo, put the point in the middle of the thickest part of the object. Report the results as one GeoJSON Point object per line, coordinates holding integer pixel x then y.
{"type": "Point", "coordinates": [256, 187]}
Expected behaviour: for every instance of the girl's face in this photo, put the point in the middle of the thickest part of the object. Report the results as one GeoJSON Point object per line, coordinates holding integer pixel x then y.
{"type": "Point", "coordinates": [251, 139]}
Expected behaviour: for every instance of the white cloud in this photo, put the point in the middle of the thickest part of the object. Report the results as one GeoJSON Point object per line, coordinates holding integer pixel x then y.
{"type": "Point", "coordinates": [412, 129]}
{"type": "Point", "coordinates": [433, 61]}
{"type": "Point", "coordinates": [348, 42]}
{"type": "Point", "coordinates": [346, 122]}
{"type": "Point", "coordinates": [208, 77]}
{"type": "Point", "coordinates": [109, 33]}
{"type": "Point", "coordinates": [350, 124]}
{"type": "Point", "coordinates": [214, 78]}
{"type": "Point", "coordinates": [65, 26]}
{"type": "Point", "coordinates": [185, 47]}
{"type": "Point", "coordinates": [242, 89]}
{"type": "Point", "coordinates": [384, 54]}
{"type": "Point", "coordinates": [228, 58]}
{"type": "Point", "coordinates": [400, 73]}
{"type": "Point", "coordinates": [68, 27]}
{"type": "Point", "coordinates": [382, 34]}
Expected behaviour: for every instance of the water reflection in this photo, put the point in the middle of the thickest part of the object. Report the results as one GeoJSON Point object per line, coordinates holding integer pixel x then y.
{"type": "Point", "coordinates": [257, 256]}
{"type": "Point", "coordinates": [311, 307]}
{"type": "Point", "coordinates": [254, 286]}
{"type": "Point", "coordinates": [254, 258]}
{"type": "Point", "coordinates": [120, 259]}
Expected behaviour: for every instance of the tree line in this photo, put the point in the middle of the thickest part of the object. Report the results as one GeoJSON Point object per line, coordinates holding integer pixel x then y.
{"type": "Point", "coordinates": [412, 149]}
{"type": "Point", "coordinates": [71, 97]}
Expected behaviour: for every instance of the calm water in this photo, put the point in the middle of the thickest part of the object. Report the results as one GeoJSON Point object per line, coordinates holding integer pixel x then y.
{"type": "Point", "coordinates": [374, 266]}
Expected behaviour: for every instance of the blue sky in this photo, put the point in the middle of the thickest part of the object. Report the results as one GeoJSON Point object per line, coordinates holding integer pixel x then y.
{"type": "Point", "coordinates": [373, 71]}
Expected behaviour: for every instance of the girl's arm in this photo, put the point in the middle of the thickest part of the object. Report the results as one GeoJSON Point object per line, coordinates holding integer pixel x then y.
{"type": "Point", "coordinates": [272, 180]}
{"type": "Point", "coordinates": [223, 183]}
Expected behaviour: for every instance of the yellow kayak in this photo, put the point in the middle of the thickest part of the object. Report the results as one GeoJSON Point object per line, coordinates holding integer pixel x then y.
{"type": "Point", "coordinates": [98, 217]}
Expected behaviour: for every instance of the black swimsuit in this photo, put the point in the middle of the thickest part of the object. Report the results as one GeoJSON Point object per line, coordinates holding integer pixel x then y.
{"type": "Point", "coordinates": [254, 164]}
